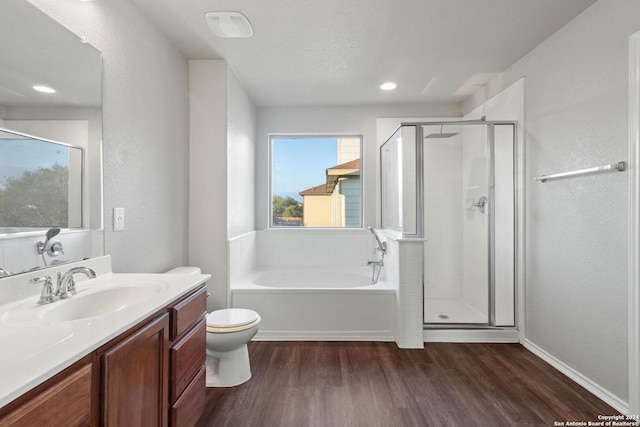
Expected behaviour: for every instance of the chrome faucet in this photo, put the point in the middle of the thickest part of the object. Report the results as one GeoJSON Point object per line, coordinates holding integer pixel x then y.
{"type": "Point", "coordinates": [377, 265]}
{"type": "Point", "coordinates": [49, 247]}
{"type": "Point", "coordinates": [46, 295]}
{"type": "Point", "coordinates": [4, 272]}
{"type": "Point", "coordinates": [382, 246]}
{"type": "Point", "coordinates": [377, 268]}
{"type": "Point", "coordinates": [65, 284]}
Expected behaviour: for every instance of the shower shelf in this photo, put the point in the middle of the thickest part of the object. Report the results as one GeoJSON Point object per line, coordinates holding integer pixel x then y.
{"type": "Point", "coordinates": [620, 167]}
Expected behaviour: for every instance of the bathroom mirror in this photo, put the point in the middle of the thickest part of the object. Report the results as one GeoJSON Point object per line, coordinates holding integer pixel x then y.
{"type": "Point", "coordinates": [64, 121]}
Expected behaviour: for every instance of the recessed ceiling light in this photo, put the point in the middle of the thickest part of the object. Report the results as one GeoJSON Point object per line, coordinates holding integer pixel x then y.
{"type": "Point", "coordinates": [388, 86]}
{"type": "Point", "coordinates": [229, 25]}
{"type": "Point", "coordinates": [44, 89]}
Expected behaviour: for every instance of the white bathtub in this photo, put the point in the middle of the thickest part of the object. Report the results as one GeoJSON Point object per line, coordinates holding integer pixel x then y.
{"type": "Point", "coordinates": [317, 304]}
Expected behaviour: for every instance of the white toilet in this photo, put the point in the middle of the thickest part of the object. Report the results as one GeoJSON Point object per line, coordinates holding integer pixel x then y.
{"type": "Point", "coordinates": [228, 332]}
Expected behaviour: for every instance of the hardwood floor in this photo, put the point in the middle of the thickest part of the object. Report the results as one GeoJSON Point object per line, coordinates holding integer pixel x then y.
{"type": "Point", "coordinates": [338, 384]}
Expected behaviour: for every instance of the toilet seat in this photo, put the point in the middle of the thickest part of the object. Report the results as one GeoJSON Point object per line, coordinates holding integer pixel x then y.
{"type": "Point", "coordinates": [231, 320]}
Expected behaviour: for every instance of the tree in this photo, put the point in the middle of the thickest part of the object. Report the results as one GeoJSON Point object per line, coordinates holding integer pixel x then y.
{"type": "Point", "coordinates": [37, 199]}
{"type": "Point", "coordinates": [286, 207]}
{"type": "Point", "coordinates": [293, 211]}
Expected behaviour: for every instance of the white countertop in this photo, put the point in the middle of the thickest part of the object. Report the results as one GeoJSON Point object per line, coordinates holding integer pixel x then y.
{"type": "Point", "coordinates": [34, 349]}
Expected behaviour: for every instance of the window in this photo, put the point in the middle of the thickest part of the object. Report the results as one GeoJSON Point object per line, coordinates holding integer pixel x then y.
{"type": "Point", "coordinates": [315, 181]}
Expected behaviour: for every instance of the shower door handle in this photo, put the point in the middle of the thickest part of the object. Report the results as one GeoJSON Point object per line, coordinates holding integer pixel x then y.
{"type": "Point", "coordinates": [480, 204]}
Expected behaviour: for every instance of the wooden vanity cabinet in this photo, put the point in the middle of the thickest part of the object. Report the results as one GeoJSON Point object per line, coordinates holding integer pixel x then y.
{"type": "Point", "coordinates": [64, 400]}
{"type": "Point", "coordinates": [151, 375]}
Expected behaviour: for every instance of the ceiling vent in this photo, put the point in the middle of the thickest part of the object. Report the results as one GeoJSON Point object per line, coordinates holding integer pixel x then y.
{"type": "Point", "coordinates": [229, 25]}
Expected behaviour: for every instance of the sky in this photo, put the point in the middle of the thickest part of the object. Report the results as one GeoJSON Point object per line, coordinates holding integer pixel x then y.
{"type": "Point", "coordinates": [20, 155]}
{"type": "Point", "coordinates": [301, 163]}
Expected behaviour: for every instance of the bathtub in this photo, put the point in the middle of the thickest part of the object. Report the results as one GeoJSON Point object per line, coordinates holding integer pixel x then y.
{"type": "Point", "coordinates": [329, 304]}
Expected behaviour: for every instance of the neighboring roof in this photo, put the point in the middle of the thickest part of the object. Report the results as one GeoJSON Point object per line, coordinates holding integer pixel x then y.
{"type": "Point", "coordinates": [334, 173]}
{"type": "Point", "coordinates": [353, 164]}
{"type": "Point", "coordinates": [318, 190]}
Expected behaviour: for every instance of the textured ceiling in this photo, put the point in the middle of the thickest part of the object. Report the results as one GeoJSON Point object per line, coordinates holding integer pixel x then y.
{"type": "Point", "coordinates": [337, 52]}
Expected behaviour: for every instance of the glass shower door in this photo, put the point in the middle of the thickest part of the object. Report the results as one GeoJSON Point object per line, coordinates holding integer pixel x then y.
{"type": "Point", "coordinates": [457, 199]}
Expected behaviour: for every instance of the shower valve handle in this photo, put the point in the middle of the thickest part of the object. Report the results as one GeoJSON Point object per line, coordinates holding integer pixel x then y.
{"type": "Point", "coordinates": [480, 204]}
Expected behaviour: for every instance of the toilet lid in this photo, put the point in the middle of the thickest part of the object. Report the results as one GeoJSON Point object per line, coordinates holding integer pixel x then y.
{"type": "Point", "coordinates": [231, 318]}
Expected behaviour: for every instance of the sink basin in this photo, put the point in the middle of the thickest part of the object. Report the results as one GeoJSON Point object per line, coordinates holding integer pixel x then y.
{"type": "Point", "coordinates": [93, 300]}
{"type": "Point", "coordinates": [96, 304]}
{"type": "Point", "coordinates": [99, 302]}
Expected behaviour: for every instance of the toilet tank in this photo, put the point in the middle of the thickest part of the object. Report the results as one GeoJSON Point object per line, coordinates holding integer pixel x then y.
{"type": "Point", "coordinates": [184, 270]}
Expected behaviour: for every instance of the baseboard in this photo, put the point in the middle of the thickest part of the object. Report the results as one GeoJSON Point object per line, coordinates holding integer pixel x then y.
{"type": "Point", "coordinates": [601, 393]}
{"type": "Point", "coordinates": [472, 335]}
{"type": "Point", "coordinates": [324, 336]}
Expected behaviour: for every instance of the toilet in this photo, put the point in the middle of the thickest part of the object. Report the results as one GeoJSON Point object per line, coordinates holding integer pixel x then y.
{"type": "Point", "coordinates": [228, 332]}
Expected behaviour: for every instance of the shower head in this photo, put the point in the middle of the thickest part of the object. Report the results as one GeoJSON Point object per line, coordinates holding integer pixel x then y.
{"type": "Point", "coordinates": [441, 134]}
{"type": "Point", "coordinates": [51, 233]}
{"type": "Point", "coordinates": [382, 246]}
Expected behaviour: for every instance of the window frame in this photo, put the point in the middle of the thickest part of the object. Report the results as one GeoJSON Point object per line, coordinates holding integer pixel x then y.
{"type": "Point", "coordinates": [275, 136]}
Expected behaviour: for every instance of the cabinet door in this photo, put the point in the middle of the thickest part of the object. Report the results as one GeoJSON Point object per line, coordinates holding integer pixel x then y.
{"type": "Point", "coordinates": [135, 378]}
{"type": "Point", "coordinates": [66, 402]}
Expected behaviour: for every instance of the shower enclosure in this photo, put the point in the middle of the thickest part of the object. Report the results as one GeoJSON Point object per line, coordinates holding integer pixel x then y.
{"type": "Point", "coordinates": [452, 184]}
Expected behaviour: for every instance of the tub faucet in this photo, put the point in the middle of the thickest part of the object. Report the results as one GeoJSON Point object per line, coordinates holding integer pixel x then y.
{"type": "Point", "coordinates": [382, 246]}
{"type": "Point", "coordinates": [377, 265]}
{"type": "Point", "coordinates": [377, 268]}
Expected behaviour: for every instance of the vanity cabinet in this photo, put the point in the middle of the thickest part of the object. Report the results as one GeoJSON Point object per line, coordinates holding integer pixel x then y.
{"type": "Point", "coordinates": [64, 400]}
{"type": "Point", "coordinates": [151, 375]}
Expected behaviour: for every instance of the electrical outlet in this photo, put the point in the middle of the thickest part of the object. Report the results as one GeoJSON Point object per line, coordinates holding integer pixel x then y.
{"type": "Point", "coordinates": [118, 219]}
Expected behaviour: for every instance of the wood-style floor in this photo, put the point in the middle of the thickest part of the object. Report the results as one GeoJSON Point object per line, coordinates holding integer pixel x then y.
{"type": "Point", "coordinates": [337, 384]}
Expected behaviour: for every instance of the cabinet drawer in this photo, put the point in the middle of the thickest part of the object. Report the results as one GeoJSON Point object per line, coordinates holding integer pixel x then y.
{"type": "Point", "coordinates": [66, 402]}
{"type": "Point", "coordinates": [186, 312]}
{"type": "Point", "coordinates": [187, 357]}
{"type": "Point", "coordinates": [190, 406]}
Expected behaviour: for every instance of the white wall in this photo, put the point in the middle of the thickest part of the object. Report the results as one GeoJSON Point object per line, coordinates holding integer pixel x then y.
{"type": "Point", "coordinates": [208, 174]}
{"type": "Point", "coordinates": [222, 158]}
{"type": "Point", "coordinates": [357, 119]}
{"type": "Point", "coordinates": [145, 131]}
{"type": "Point", "coordinates": [576, 250]}
{"type": "Point", "coordinates": [241, 153]}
